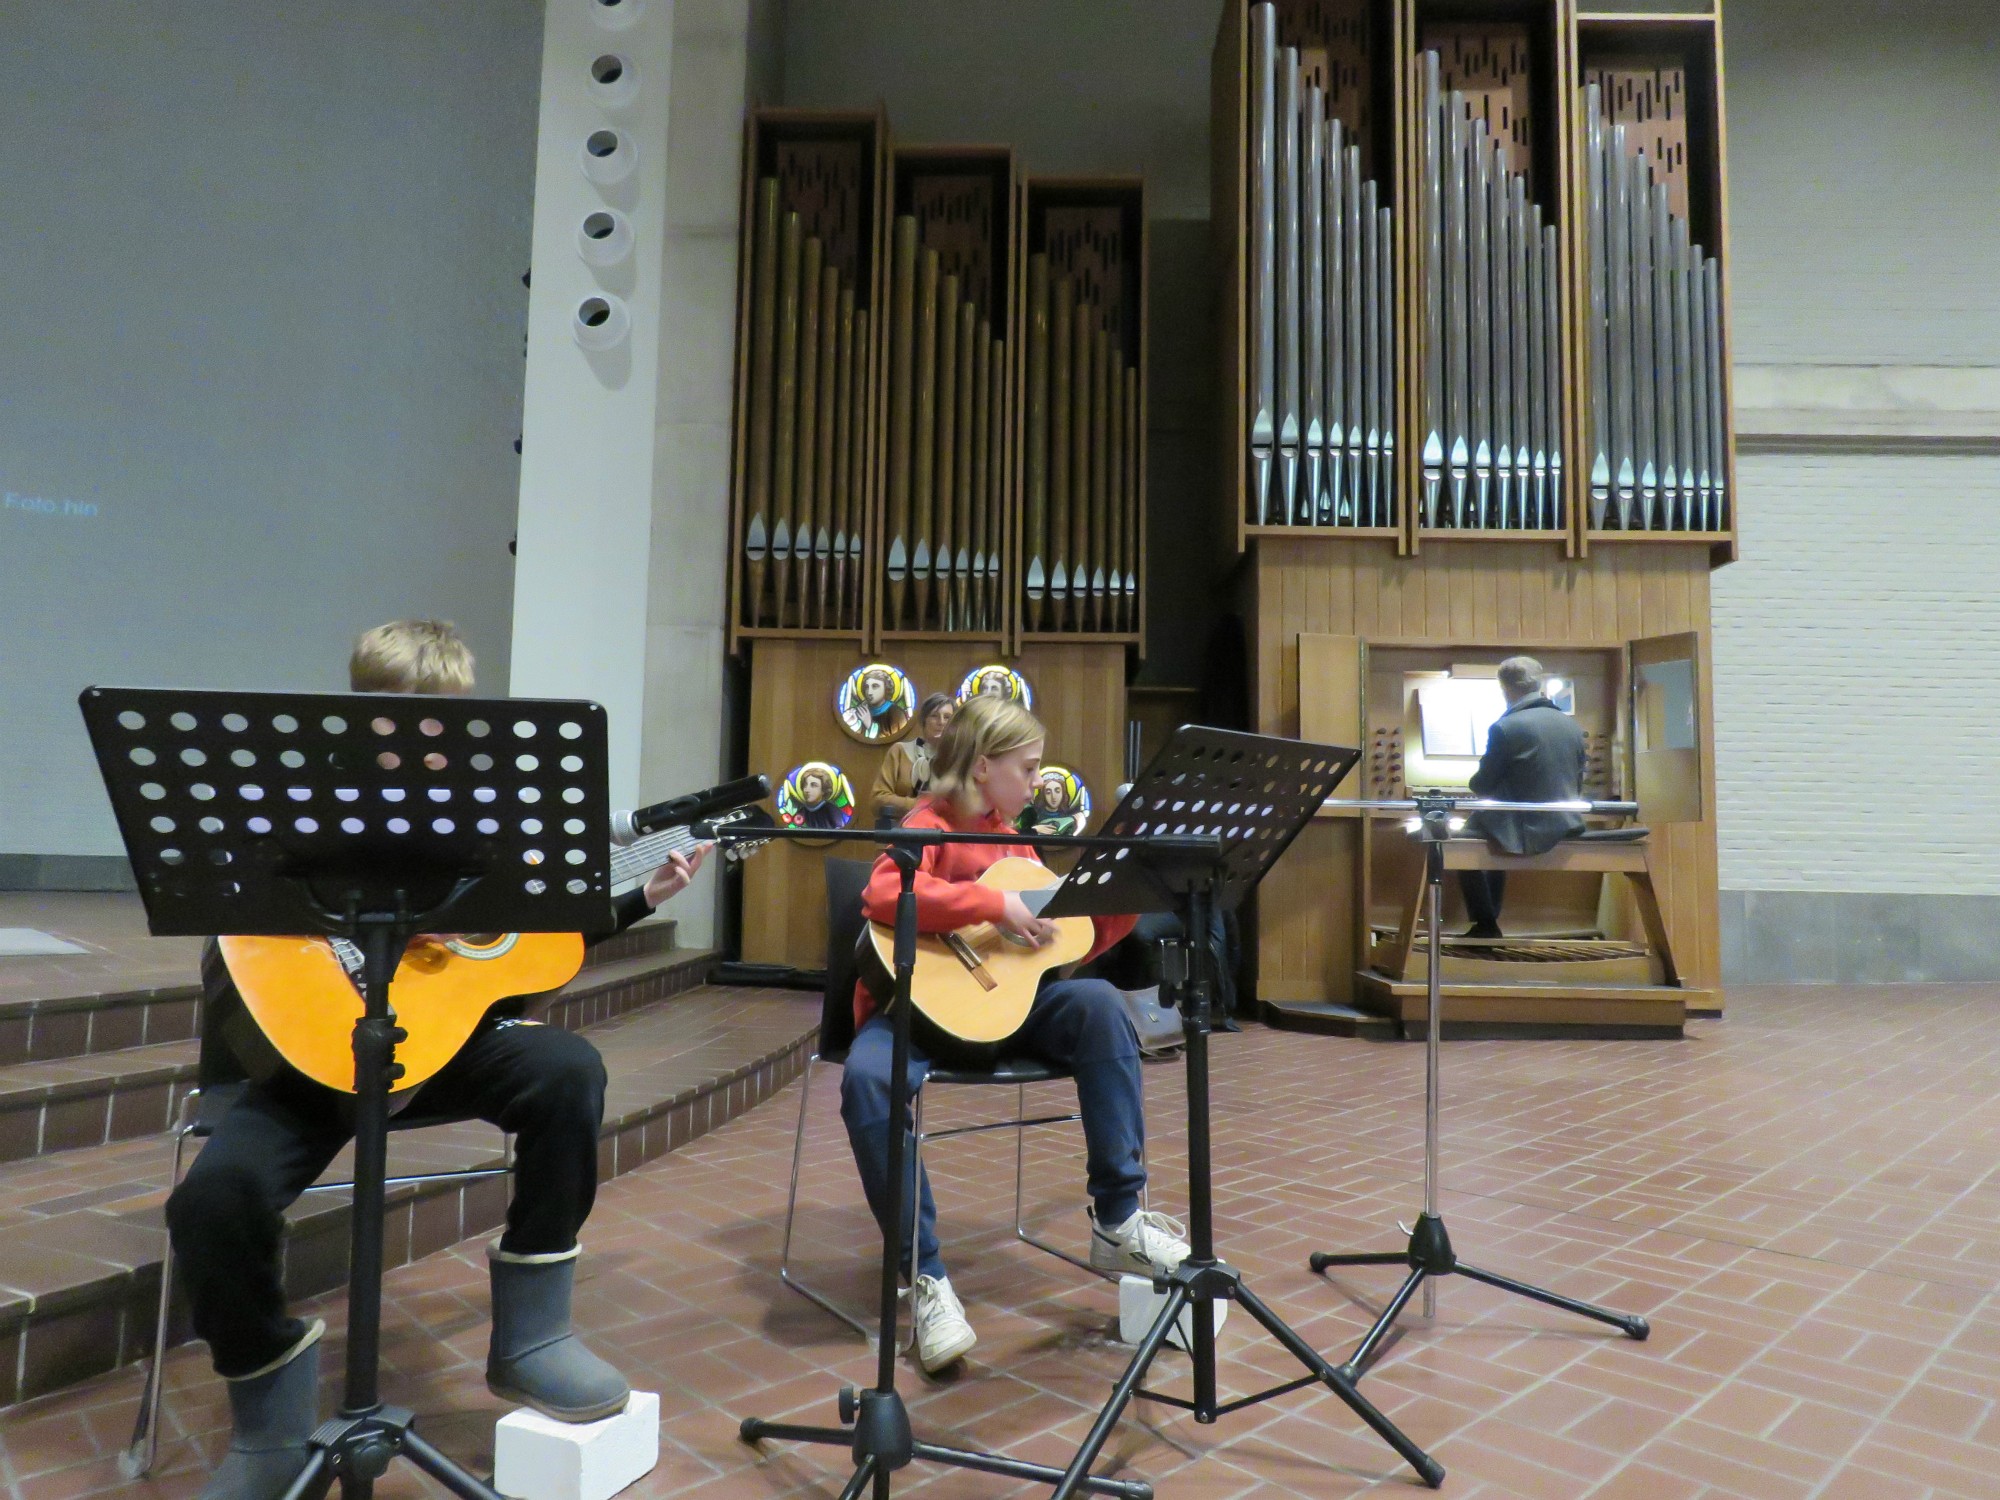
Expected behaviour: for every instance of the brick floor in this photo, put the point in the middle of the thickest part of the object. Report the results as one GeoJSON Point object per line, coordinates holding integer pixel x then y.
{"type": "Point", "coordinates": [1805, 1199]}
{"type": "Point", "coordinates": [121, 955]}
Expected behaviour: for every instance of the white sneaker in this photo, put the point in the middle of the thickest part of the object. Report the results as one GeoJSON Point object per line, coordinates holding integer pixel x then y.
{"type": "Point", "coordinates": [943, 1335]}
{"type": "Point", "coordinates": [1147, 1244]}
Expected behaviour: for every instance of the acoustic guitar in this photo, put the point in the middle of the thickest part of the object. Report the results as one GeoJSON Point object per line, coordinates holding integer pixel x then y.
{"type": "Point", "coordinates": [978, 982]}
{"type": "Point", "coordinates": [303, 992]}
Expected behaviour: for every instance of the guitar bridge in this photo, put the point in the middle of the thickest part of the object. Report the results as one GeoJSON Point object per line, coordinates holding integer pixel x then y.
{"type": "Point", "coordinates": [963, 951]}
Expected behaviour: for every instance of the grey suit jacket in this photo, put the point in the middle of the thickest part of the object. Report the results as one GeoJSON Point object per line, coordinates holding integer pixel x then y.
{"type": "Point", "coordinates": [1534, 753]}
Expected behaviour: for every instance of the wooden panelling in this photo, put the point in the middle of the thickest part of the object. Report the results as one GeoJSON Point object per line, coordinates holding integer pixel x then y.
{"type": "Point", "coordinates": [1649, 96]}
{"type": "Point", "coordinates": [1079, 695]}
{"type": "Point", "coordinates": [1305, 944]}
{"type": "Point", "coordinates": [1484, 596]}
{"type": "Point", "coordinates": [1330, 701]}
{"type": "Point", "coordinates": [1337, 52]}
{"type": "Point", "coordinates": [1491, 63]}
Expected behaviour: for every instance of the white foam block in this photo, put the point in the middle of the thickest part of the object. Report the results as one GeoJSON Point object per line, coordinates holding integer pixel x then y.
{"type": "Point", "coordinates": [1139, 1305]}
{"type": "Point", "coordinates": [538, 1458]}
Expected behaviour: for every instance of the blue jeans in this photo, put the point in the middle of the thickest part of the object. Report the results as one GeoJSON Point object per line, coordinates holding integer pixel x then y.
{"type": "Point", "coordinates": [1079, 1024]}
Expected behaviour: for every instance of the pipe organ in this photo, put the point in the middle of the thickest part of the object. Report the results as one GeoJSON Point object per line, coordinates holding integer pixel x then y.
{"type": "Point", "coordinates": [1475, 402]}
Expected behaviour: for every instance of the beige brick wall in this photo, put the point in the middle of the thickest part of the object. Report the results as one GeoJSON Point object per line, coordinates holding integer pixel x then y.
{"type": "Point", "coordinates": [1857, 675]}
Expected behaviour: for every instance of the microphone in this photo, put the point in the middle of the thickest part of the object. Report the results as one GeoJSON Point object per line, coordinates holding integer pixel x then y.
{"type": "Point", "coordinates": [678, 812]}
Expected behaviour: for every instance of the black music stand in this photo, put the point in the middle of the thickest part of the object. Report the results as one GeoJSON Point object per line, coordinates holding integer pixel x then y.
{"type": "Point", "coordinates": [1429, 1254]}
{"type": "Point", "coordinates": [1255, 794]}
{"type": "Point", "coordinates": [371, 818]}
{"type": "Point", "coordinates": [875, 1422]}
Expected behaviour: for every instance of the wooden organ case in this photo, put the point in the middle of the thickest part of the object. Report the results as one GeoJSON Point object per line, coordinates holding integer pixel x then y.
{"type": "Point", "coordinates": [964, 421]}
{"type": "Point", "coordinates": [1475, 385]}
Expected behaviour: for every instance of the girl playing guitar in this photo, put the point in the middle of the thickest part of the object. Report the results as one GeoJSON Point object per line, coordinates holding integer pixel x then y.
{"type": "Point", "coordinates": [984, 771]}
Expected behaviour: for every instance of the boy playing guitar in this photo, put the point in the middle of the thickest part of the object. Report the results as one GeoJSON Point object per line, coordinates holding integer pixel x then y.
{"type": "Point", "coordinates": [543, 1085]}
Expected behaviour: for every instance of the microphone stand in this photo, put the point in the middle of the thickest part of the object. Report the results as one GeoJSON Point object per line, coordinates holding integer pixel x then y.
{"type": "Point", "coordinates": [1429, 1254]}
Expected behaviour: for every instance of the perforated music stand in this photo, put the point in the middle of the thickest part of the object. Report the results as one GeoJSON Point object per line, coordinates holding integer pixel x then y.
{"type": "Point", "coordinates": [370, 817]}
{"type": "Point", "coordinates": [1255, 793]}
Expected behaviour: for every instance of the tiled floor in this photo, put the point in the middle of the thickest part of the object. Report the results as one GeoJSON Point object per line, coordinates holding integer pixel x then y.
{"type": "Point", "coordinates": [1804, 1198]}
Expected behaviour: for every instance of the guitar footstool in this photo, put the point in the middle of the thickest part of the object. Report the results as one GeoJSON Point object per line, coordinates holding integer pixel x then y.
{"type": "Point", "coordinates": [538, 1458]}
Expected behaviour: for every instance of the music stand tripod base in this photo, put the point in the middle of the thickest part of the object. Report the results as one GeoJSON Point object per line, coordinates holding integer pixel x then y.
{"type": "Point", "coordinates": [1248, 796]}
{"type": "Point", "coordinates": [1429, 1254]}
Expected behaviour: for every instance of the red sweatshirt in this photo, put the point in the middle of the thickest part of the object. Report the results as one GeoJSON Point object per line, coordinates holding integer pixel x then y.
{"type": "Point", "coordinates": [948, 895]}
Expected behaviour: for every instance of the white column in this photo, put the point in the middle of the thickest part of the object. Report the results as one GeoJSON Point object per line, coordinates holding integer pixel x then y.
{"type": "Point", "coordinates": [588, 456]}
{"type": "Point", "coordinates": [715, 47]}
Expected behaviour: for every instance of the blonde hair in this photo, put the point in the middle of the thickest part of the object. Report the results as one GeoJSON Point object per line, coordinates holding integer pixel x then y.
{"type": "Point", "coordinates": [411, 656]}
{"type": "Point", "coordinates": [983, 726]}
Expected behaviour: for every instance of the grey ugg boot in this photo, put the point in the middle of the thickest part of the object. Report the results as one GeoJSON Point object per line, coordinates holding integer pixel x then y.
{"type": "Point", "coordinates": [274, 1411]}
{"type": "Point", "coordinates": [534, 1358]}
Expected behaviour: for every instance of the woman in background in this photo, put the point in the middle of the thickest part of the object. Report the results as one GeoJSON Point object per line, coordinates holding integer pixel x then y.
{"type": "Point", "coordinates": [905, 774]}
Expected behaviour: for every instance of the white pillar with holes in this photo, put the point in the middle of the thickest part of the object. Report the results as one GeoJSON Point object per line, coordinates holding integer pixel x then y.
{"type": "Point", "coordinates": [587, 455]}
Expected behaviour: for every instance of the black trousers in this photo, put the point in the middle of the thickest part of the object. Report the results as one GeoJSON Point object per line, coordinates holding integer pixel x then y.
{"type": "Point", "coordinates": [227, 1218]}
{"type": "Point", "coordinates": [1483, 891]}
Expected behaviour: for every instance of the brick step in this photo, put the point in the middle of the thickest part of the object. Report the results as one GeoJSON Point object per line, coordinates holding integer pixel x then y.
{"type": "Point", "coordinates": [63, 1025]}
{"type": "Point", "coordinates": [67, 1026]}
{"type": "Point", "coordinates": [78, 1102]}
{"type": "Point", "coordinates": [80, 1279]}
{"type": "Point", "coordinates": [72, 1103]}
{"type": "Point", "coordinates": [652, 936]}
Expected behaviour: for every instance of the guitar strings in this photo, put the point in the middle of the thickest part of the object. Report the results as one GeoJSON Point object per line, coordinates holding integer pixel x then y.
{"type": "Point", "coordinates": [641, 859]}
{"type": "Point", "coordinates": [638, 860]}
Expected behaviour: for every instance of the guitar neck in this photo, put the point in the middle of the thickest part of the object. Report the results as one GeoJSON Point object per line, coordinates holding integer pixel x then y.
{"type": "Point", "coordinates": [640, 858]}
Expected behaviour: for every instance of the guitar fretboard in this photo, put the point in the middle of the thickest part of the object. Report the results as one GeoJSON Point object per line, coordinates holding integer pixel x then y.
{"type": "Point", "coordinates": [640, 858]}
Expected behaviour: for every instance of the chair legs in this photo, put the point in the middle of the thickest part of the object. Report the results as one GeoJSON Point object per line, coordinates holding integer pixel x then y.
{"type": "Point", "coordinates": [141, 1452]}
{"type": "Point", "coordinates": [1020, 1164]}
{"type": "Point", "coordinates": [1020, 1125]}
{"type": "Point", "coordinates": [913, 1190]}
{"type": "Point", "coordinates": [785, 1272]}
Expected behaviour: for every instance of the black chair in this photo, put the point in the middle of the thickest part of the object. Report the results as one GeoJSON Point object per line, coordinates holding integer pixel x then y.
{"type": "Point", "coordinates": [845, 881]}
{"type": "Point", "coordinates": [218, 1085]}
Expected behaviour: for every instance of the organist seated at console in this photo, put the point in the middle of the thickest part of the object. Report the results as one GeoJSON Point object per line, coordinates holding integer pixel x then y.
{"type": "Point", "coordinates": [1534, 753]}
